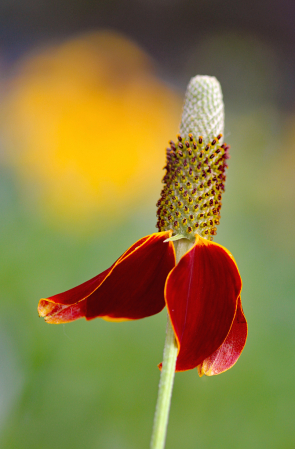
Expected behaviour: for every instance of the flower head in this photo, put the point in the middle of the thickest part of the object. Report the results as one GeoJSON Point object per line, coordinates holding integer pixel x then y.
{"type": "Point", "coordinates": [202, 288]}
{"type": "Point", "coordinates": [190, 201]}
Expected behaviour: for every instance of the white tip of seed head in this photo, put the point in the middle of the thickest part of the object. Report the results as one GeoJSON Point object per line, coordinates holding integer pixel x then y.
{"type": "Point", "coordinates": [203, 110]}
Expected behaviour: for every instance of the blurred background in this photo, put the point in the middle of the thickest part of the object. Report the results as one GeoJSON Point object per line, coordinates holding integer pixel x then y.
{"type": "Point", "coordinates": [91, 92]}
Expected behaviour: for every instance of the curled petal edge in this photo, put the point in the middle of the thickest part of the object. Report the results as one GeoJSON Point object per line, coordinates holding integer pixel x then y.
{"type": "Point", "coordinates": [72, 304]}
{"type": "Point", "coordinates": [229, 352]}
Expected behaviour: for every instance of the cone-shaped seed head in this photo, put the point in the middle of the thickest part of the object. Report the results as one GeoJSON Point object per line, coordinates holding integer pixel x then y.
{"type": "Point", "coordinates": [203, 110]}
{"type": "Point", "coordinates": [190, 201]}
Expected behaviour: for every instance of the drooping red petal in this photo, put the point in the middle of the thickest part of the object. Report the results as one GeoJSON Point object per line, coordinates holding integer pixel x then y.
{"type": "Point", "coordinates": [132, 288]}
{"type": "Point", "coordinates": [230, 350]}
{"type": "Point", "coordinates": [201, 294]}
{"type": "Point", "coordinates": [55, 309]}
{"type": "Point", "coordinates": [82, 291]}
{"type": "Point", "coordinates": [135, 288]}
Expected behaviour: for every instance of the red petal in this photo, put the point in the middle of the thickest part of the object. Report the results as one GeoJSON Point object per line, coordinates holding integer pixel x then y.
{"type": "Point", "coordinates": [230, 350]}
{"type": "Point", "coordinates": [53, 311]}
{"type": "Point", "coordinates": [201, 295]}
{"type": "Point", "coordinates": [132, 288]}
{"type": "Point", "coordinates": [82, 291]}
{"type": "Point", "coordinates": [135, 288]}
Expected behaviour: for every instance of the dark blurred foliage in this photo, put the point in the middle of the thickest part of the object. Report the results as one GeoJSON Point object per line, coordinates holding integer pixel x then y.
{"type": "Point", "coordinates": [167, 30]}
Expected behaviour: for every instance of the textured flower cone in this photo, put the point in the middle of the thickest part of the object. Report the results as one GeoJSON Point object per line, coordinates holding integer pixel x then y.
{"type": "Point", "coordinates": [203, 112]}
{"type": "Point", "coordinates": [190, 201]}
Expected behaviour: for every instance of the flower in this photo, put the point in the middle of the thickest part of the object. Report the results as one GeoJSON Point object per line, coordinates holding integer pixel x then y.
{"type": "Point", "coordinates": [180, 266]}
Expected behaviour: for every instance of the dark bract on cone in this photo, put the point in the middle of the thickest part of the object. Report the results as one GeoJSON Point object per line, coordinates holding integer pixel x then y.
{"type": "Point", "coordinates": [190, 201]}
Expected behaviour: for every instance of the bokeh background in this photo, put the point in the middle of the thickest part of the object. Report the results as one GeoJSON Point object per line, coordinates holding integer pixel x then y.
{"type": "Point", "coordinates": [91, 92]}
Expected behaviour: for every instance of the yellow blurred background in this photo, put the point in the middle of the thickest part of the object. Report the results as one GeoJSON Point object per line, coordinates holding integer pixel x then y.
{"type": "Point", "coordinates": [87, 119]}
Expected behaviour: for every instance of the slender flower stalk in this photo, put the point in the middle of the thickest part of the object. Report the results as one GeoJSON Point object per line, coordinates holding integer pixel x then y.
{"type": "Point", "coordinates": [203, 115]}
{"type": "Point", "coordinates": [165, 389]}
{"type": "Point", "coordinates": [168, 369]}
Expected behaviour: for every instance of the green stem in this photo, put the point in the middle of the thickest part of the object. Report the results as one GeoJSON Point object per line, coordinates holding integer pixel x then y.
{"type": "Point", "coordinates": [165, 390]}
{"type": "Point", "coordinates": [168, 369]}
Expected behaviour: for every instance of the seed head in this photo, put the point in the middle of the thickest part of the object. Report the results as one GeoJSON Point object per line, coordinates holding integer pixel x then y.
{"type": "Point", "coordinates": [196, 162]}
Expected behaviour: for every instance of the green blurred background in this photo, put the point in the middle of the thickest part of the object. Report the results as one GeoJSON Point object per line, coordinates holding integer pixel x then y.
{"type": "Point", "coordinates": [91, 92]}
